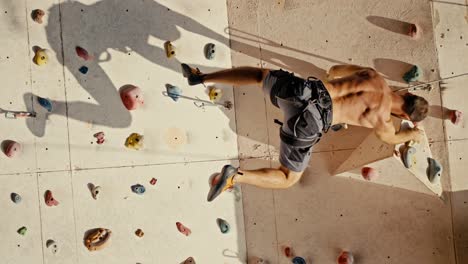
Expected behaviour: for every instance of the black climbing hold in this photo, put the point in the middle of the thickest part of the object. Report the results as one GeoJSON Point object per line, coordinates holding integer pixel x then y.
{"type": "Point", "coordinates": [16, 198]}
{"type": "Point", "coordinates": [83, 69]}
{"type": "Point", "coordinates": [412, 75]}
{"type": "Point", "coordinates": [298, 260]}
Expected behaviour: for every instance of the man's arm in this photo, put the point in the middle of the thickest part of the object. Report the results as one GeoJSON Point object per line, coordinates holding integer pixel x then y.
{"type": "Point", "coordinates": [387, 133]}
{"type": "Point", "coordinates": [343, 71]}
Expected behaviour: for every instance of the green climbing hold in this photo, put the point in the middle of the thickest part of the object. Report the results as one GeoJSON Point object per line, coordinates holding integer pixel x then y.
{"type": "Point", "coordinates": [223, 225]}
{"type": "Point", "coordinates": [413, 74]}
{"type": "Point", "coordinates": [22, 231]}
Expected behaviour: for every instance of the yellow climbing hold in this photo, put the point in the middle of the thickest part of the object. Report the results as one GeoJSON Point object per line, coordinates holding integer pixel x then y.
{"type": "Point", "coordinates": [215, 94]}
{"type": "Point", "coordinates": [134, 141]}
{"type": "Point", "coordinates": [41, 58]}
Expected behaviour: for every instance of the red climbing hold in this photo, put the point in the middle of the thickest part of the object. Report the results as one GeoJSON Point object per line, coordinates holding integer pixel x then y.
{"type": "Point", "coordinates": [12, 149]}
{"type": "Point", "coordinates": [82, 53]}
{"type": "Point", "coordinates": [49, 199]}
{"type": "Point", "coordinates": [288, 252]}
{"type": "Point", "coordinates": [153, 181]}
{"type": "Point", "coordinates": [183, 229]}
{"type": "Point", "coordinates": [131, 96]}
{"type": "Point", "coordinates": [414, 31]}
{"type": "Point", "coordinates": [456, 117]}
{"type": "Point", "coordinates": [99, 137]}
{"type": "Point", "coordinates": [345, 258]}
{"type": "Point", "coordinates": [369, 173]}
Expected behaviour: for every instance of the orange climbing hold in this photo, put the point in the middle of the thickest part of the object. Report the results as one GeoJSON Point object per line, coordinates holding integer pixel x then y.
{"type": "Point", "coordinates": [183, 229]}
{"type": "Point", "coordinates": [369, 173]}
{"type": "Point", "coordinates": [345, 258]}
{"type": "Point", "coordinates": [288, 252]}
{"type": "Point", "coordinates": [37, 15]}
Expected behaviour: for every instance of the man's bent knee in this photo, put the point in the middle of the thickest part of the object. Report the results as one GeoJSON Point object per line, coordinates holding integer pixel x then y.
{"type": "Point", "coordinates": [292, 177]}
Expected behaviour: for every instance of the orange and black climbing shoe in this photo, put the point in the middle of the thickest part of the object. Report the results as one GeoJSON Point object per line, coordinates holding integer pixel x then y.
{"type": "Point", "coordinates": [194, 76]}
{"type": "Point", "coordinates": [224, 181]}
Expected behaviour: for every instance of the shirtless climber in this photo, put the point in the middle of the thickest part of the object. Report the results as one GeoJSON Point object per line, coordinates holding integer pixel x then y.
{"type": "Point", "coordinates": [351, 95]}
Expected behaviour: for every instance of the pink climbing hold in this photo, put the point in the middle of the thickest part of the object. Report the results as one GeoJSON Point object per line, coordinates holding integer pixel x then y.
{"type": "Point", "coordinates": [456, 117]}
{"type": "Point", "coordinates": [369, 173]}
{"type": "Point", "coordinates": [82, 53]}
{"type": "Point", "coordinates": [414, 31]}
{"type": "Point", "coordinates": [131, 96]}
{"type": "Point", "coordinates": [345, 258]}
{"type": "Point", "coordinates": [99, 137]}
{"type": "Point", "coordinates": [49, 199]}
{"type": "Point", "coordinates": [183, 229]}
{"type": "Point", "coordinates": [12, 149]}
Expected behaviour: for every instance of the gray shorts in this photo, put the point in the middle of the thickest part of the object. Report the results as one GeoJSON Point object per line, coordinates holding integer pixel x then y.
{"type": "Point", "coordinates": [288, 93]}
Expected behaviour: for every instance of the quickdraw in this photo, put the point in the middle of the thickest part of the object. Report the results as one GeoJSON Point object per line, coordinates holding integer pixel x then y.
{"type": "Point", "coordinates": [97, 239]}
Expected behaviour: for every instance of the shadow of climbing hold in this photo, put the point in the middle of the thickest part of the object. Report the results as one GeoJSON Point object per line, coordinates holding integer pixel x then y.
{"type": "Point", "coordinates": [37, 15]}
{"type": "Point", "coordinates": [52, 246]}
{"type": "Point", "coordinates": [210, 51]}
{"type": "Point", "coordinates": [45, 103]}
{"type": "Point", "coordinates": [298, 260]}
{"type": "Point", "coordinates": [434, 171]}
{"type": "Point", "coordinates": [22, 231]}
{"type": "Point", "coordinates": [223, 225]}
{"type": "Point", "coordinates": [49, 199]}
{"type": "Point", "coordinates": [215, 94]}
{"type": "Point", "coordinates": [414, 31]}
{"type": "Point", "coordinates": [413, 74]}
{"type": "Point", "coordinates": [173, 92]}
{"type": "Point", "coordinates": [16, 198]}
{"type": "Point", "coordinates": [131, 96]}
{"type": "Point", "coordinates": [138, 189]}
{"type": "Point", "coordinates": [369, 173]}
{"type": "Point", "coordinates": [170, 49]}
{"type": "Point", "coordinates": [41, 57]}
{"type": "Point", "coordinates": [83, 69]}
{"type": "Point", "coordinates": [408, 156]}
{"type": "Point", "coordinates": [11, 148]}
{"type": "Point", "coordinates": [134, 141]}
{"type": "Point", "coordinates": [139, 233]}
{"type": "Point", "coordinates": [82, 53]}
{"type": "Point", "coordinates": [345, 258]}
{"type": "Point", "coordinates": [183, 229]}
{"type": "Point", "coordinates": [189, 260]}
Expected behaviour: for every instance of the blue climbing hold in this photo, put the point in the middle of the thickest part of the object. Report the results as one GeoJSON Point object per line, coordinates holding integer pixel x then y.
{"type": "Point", "coordinates": [298, 260]}
{"type": "Point", "coordinates": [83, 69]}
{"type": "Point", "coordinates": [223, 225]}
{"type": "Point", "coordinates": [138, 189]}
{"type": "Point", "coordinates": [434, 171]}
{"type": "Point", "coordinates": [173, 92]}
{"type": "Point", "coordinates": [412, 75]}
{"type": "Point", "coordinates": [46, 103]}
{"type": "Point", "coordinates": [407, 156]}
{"type": "Point", "coordinates": [210, 50]}
{"type": "Point", "coordinates": [16, 198]}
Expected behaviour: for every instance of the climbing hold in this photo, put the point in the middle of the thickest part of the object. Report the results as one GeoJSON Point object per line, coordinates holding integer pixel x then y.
{"type": "Point", "coordinates": [298, 260]}
{"type": "Point", "coordinates": [173, 92]}
{"type": "Point", "coordinates": [134, 141]}
{"type": "Point", "coordinates": [99, 137]}
{"type": "Point", "coordinates": [434, 171]}
{"type": "Point", "coordinates": [414, 31]}
{"type": "Point", "coordinates": [139, 233]}
{"type": "Point", "coordinates": [408, 156]}
{"type": "Point", "coordinates": [95, 192]}
{"type": "Point", "coordinates": [82, 53]}
{"type": "Point", "coordinates": [37, 15]}
{"type": "Point", "coordinates": [215, 94]}
{"type": "Point", "coordinates": [413, 74]}
{"type": "Point", "coordinates": [345, 258]}
{"type": "Point", "coordinates": [12, 148]}
{"type": "Point", "coordinates": [210, 50]}
{"type": "Point", "coordinates": [52, 246]}
{"type": "Point", "coordinates": [153, 181]}
{"type": "Point", "coordinates": [256, 260]}
{"type": "Point", "coordinates": [22, 231]}
{"type": "Point", "coordinates": [49, 199]}
{"type": "Point", "coordinates": [287, 252]}
{"type": "Point", "coordinates": [138, 189]}
{"type": "Point", "coordinates": [223, 225]}
{"type": "Point", "coordinates": [189, 260]}
{"type": "Point", "coordinates": [83, 69]}
{"type": "Point", "coordinates": [183, 229]}
{"type": "Point", "coordinates": [131, 96]}
{"type": "Point", "coordinates": [97, 239]}
{"type": "Point", "coordinates": [16, 198]}
{"type": "Point", "coordinates": [170, 49]}
{"type": "Point", "coordinates": [456, 117]}
{"type": "Point", "coordinates": [46, 103]}
{"type": "Point", "coordinates": [369, 173]}
{"type": "Point", "coordinates": [41, 57]}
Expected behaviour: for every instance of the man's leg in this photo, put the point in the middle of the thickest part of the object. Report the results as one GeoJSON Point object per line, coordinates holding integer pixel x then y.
{"type": "Point", "coordinates": [280, 178]}
{"type": "Point", "coordinates": [236, 76]}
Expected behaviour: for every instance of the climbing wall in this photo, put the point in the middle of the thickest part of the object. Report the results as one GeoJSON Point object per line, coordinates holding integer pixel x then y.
{"type": "Point", "coordinates": [184, 142]}
{"type": "Point", "coordinates": [323, 215]}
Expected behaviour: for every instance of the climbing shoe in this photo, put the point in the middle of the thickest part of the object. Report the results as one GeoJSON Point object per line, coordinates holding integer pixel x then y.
{"type": "Point", "coordinates": [222, 182]}
{"type": "Point", "coordinates": [194, 76]}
